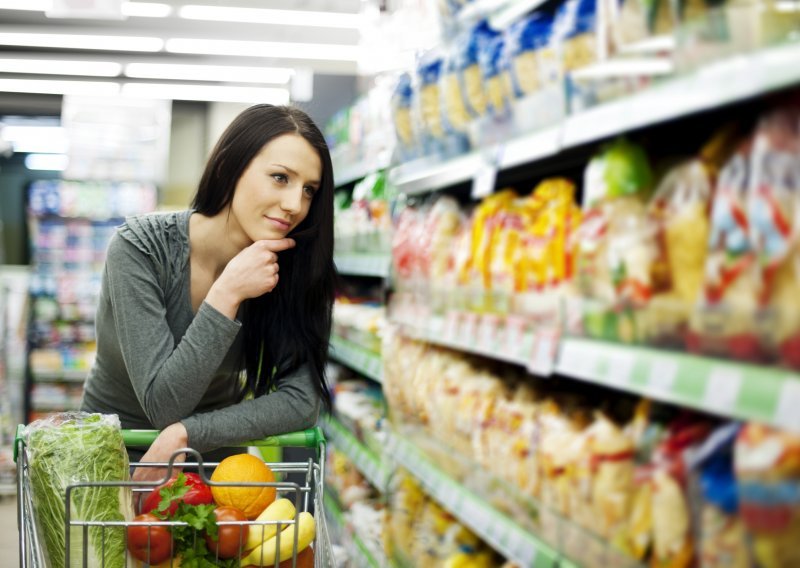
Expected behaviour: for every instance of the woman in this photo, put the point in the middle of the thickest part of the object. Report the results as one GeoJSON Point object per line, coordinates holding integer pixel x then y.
{"type": "Point", "coordinates": [213, 323]}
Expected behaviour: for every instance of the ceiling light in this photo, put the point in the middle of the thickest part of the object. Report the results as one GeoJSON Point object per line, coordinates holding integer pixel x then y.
{"type": "Point", "coordinates": [60, 67]}
{"type": "Point", "coordinates": [221, 73]}
{"type": "Point", "coordinates": [52, 162]}
{"type": "Point", "coordinates": [146, 10]}
{"type": "Point", "coordinates": [304, 18]}
{"type": "Point", "coordinates": [286, 50]}
{"type": "Point", "coordinates": [131, 9]}
{"type": "Point", "coordinates": [29, 6]}
{"type": "Point", "coordinates": [47, 86]}
{"type": "Point", "coordinates": [219, 93]}
{"type": "Point", "coordinates": [98, 42]}
{"type": "Point", "coordinates": [36, 139]}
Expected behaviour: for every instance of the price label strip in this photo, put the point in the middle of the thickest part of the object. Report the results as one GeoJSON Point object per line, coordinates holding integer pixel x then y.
{"type": "Point", "coordinates": [722, 389]}
{"type": "Point", "coordinates": [661, 377]}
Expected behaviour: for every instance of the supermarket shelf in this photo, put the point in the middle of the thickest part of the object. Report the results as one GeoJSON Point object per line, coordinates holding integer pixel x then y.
{"type": "Point", "coordinates": [492, 526]}
{"type": "Point", "coordinates": [473, 334]}
{"type": "Point", "coordinates": [726, 388]}
{"type": "Point", "coordinates": [364, 264]}
{"type": "Point", "coordinates": [739, 390]}
{"type": "Point", "coordinates": [68, 376]}
{"type": "Point", "coordinates": [370, 465]}
{"type": "Point", "coordinates": [745, 76]}
{"type": "Point", "coordinates": [363, 557]}
{"type": "Point", "coordinates": [353, 172]}
{"type": "Point", "coordinates": [366, 362]}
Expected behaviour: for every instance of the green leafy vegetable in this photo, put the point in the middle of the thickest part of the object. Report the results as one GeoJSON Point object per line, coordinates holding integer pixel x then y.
{"type": "Point", "coordinates": [71, 448]}
{"type": "Point", "coordinates": [200, 519]}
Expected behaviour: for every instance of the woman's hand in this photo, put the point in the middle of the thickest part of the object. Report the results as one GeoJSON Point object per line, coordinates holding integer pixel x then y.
{"type": "Point", "coordinates": [250, 274]}
{"type": "Point", "coordinates": [171, 439]}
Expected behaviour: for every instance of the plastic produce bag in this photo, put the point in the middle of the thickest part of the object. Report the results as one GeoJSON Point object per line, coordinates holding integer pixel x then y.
{"type": "Point", "coordinates": [77, 447]}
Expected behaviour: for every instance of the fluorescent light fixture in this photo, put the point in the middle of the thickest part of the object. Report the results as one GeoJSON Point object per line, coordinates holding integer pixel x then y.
{"type": "Point", "coordinates": [327, 52]}
{"type": "Point", "coordinates": [60, 67]}
{"type": "Point", "coordinates": [46, 86]}
{"type": "Point", "coordinates": [52, 162]}
{"type": "Point", "coordinates": [306, 18]}
{"type": "Point", "coordinates": [29, 6]}
{"type": "Point", "coordinates": [36, 139]}
{"type": "Point", "coordinates": [146, 10]}
{"type": "Point", "coordinates": [130, 9]}
{"type": "Point", "coordinates": [219, 93]}
{"type": "Point", "coordinates": [69, 41]}
{"type": "Point", "coordinates": [787, 6]}
{"type": "Point", "coordinates": [221, 73]}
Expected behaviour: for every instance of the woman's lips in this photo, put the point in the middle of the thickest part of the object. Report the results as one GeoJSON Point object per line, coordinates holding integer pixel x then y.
{"type": "Point", "coordinates": [279, 223]}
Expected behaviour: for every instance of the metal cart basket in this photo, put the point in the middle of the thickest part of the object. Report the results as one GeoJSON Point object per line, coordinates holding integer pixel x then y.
{"type": "Point", "coordinates": [305, 491]}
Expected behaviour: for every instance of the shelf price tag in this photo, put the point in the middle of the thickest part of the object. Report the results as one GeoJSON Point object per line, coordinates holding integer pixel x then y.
{"type": "Point", "coordinates": [579, 360]}
{"type": "Point", "coordinates": [543, 353]}
{"type": "Point", "coordinates": [662, 375]}
{"type": "Point", "coordinates": [722, 389]}
{"type": "Point", "coordinates": [488, 332]}
{"type": "Point", "coordinates": [514, 333]}
{"type": "Point", "coordinates": [485, 177]}
{"type": "Point", "coordinates": [451, 328]}
{"type": "Point", "coordinates": [469, 331]}
{"type": "Point", "coordinates": [620, 367]}
{"type": "Point", "coordinates": [787, 414]}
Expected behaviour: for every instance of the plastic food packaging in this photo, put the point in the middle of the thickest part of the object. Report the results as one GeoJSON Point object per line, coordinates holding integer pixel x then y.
{"type": "Point", "coordinates": [767, 465]}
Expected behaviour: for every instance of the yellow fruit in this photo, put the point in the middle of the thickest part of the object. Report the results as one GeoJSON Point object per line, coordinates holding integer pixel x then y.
{"type": "Point", "coordinates": [243, 468]}
{"type": "Point", "coordinates": [280, 510]}
{"type": "Point", "coordinates": [264, 555]}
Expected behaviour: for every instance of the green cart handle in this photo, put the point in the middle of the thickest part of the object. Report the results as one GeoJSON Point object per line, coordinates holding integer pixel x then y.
{"type": "Point", "coordinates": [310, 438]}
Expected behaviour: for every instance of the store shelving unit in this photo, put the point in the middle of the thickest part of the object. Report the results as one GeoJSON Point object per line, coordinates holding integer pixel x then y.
{"type": "Point", "coordinates": [363, 557]}
{"type": "Point", "coordinates": [502, 533]}
{"type": "Point", "coordinates": [358, 358]}
{"type": "Point", "coordinates": [70, 223]}
{"type": "Point", "coordinates": [363, 264]}
{"type": "Point", "coordinates": [372, 466]}
{"type": "Point", "coordinates": [744, 77]}
{"type": "Point", "coordinates": [726, 388]}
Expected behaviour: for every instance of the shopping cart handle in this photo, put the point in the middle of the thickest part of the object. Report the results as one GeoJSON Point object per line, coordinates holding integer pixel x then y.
{"type": "Point", "coordinates": [310, 438]}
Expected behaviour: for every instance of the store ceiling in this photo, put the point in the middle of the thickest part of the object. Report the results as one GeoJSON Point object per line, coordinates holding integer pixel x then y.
{"type": "Point", "coordinates": [42, 52]}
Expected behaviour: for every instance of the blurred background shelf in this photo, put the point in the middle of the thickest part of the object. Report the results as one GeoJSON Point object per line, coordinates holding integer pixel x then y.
{"type": "Point", "coordinates": [731, 80]}
{"type": "Point", "coordinates": [358, 358]}
{"type": "Point", "coordinates": [366, 461]}
{"type": "Point", "coordinates": [496, 529]}
{"type": "Point", "coordinates": [364, 264]}
{"type": "Point", "coordinates": [726, 388]}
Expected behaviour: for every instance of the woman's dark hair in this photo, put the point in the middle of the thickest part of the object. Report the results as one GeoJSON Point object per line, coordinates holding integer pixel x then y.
{"type": "Point", "coordinates": [291, 325]}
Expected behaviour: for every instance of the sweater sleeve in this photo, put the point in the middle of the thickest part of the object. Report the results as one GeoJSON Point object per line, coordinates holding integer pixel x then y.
{"type": "Point", "coordinates": [169, 380]}
{"type": "Point", "coordinates": [293, 406]}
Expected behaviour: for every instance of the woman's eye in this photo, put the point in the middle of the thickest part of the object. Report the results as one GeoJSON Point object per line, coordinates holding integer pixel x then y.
{"type": "Point", "coordinates": [310, 191]}
{"type": "Point", "coordinates": [280, 178]}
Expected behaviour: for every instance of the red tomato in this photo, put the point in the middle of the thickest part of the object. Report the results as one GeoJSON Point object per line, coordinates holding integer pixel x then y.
{"type": "Point", "coordinates": [198, 493]}
{"type": "Point", "coordinates": [151, 544]}
{"type": "Point", "coordinates": [231, 538]}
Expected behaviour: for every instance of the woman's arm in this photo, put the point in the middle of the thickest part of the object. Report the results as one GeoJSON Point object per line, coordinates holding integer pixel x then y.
{"type": "Point", "coordinates": [293, 406]}
{"type": "Point", "coordinates": [169, 378]}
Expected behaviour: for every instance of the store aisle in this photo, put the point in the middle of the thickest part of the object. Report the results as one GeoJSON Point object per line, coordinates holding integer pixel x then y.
{"type": "Point", "coordinates": [9, 539]}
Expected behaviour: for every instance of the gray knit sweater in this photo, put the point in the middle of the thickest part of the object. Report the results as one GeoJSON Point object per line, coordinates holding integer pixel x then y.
{"type": "Point", "coordinates": [158, 362]}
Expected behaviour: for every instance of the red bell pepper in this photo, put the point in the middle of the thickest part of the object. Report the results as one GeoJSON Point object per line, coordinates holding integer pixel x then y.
{"type": "Point", "coordinates": [182, 488]}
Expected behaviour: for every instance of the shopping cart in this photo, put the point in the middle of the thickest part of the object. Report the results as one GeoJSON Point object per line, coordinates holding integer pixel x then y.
{"type": "Point", "coordinates": [305, 494]}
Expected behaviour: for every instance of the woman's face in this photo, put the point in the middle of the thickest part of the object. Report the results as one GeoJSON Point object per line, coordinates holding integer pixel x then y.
{"type": "Point", "coordinates": [274, 193]}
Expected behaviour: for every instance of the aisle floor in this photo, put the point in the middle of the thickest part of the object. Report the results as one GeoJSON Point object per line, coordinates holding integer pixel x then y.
{"type": "Point", "coordinates": [9, 538]}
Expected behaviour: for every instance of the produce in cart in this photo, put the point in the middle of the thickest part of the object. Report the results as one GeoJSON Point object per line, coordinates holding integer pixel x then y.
{"type": "Point", "coordinates": [66, 449]}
